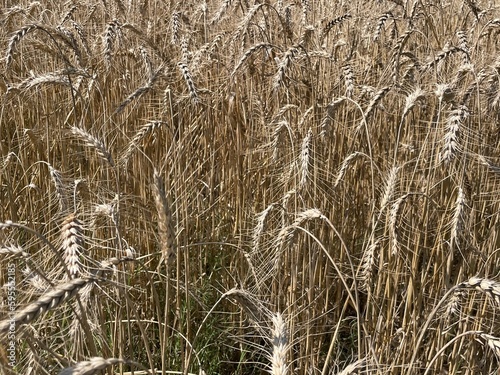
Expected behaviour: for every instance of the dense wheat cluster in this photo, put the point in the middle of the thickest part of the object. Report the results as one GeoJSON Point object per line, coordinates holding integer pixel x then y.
{"type": "Point", "coordinates": [248, 187]}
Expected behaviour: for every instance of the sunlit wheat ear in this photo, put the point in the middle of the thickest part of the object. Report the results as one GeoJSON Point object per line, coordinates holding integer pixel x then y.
{"type": "Point", "coordinates": [411, 100]}
{"type": "Point", "coordinates": [367, 264]}
{"type": "Point", "coordinates": [457, 224]}
{"type": "Point", "coordinates": [303, 119]}
{"type": "Point", "coordinates": [92, 366]}
{"type": "Point", "coordinates": [393, 223]}
{"type": "Point", "coordinates": [284, 204]}
{"type": "Point", "coordinates": [221, 11]}
{"type": "Point", "coordinates": [326, 122]}
{"type": "Point", "coordinates": [280, 346]}
{"type": "Point", "coordinates": [278, 136]}
{"type": "Point", "coordinates": [492, 167]}
{"type": "Point", "coordinates": [249, 52]}
{"type": "Point", "coordinates": [48, 301]}
{"type": "Point", "coordinates": [286, 235]}
{"type": "Point", "coordinates": [464, 46]}
{"type": "Point", "coordinates": [380, 24]}
{"type": "Point", "coordinates": [334, 22]}
{"type": "Point", "coordinates": [451, 141]}
{"type": "Point", "coordinates": [305, 10]}
{"type": "Point", "coordinates": [72, 244]}
{"type": "Point", "coordinates": [186, 74]}
{"type": "Point", "coordinates": [390, 185]}
{"type": "Point", "coordinates": [140, 91]}
{"type": "Point", "coordinates": [56, 78]}
{"type": "Point", "coordinates": [349, 80]}
{"type": "Point", "coordinates": [259, 227]}
{"type": "Point", "coordinates": [343, 168]}
{"type": "Point", "coordinates": [446, 52]}
{"type": "Point", "coordinates": [396, 55]}
{"type": "Point", "coordinates": [113, 30]}
{"type": "Point", "coordinates": [372, 105]}
{"type": "Point", "coordinates": [352, 368]}
{"type": "Point", "coordinates": [165, 221]}
{"type": "Point", "coordinates": [145, 131]}
{"type": "Point", "coordinates": [61, 190]}
{"type": "Point", "coordinates": [493, 342]}
{"type": "Point", "coordinates": [92, 142]}
{"type": "Point", "coordinates": [14, 250]}
{"type": "Point", "coordinates": [454, 304]}
{"type": "Point", "coordinates": [305, 160]}
{"type": "Point", "coordinates": [284, 65]}
{"type": "Point", "coordinates": [489, 287]}
{"type": "Point", "coordinates": [147, 61]}
{"type": "Point", "coordinates": [14, 41]}
{"type": "Point", "coordinates": [176, 25]}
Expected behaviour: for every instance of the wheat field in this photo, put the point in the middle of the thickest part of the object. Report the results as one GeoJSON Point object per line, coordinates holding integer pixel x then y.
{"type": "Point", "coordinates": [238, 187]}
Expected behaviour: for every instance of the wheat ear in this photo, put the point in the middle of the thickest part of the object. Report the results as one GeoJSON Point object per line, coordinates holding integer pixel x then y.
{"type": "Point", "coordinates": [451, 140]}
{"type": "Point", "coordinates": [92, 366]}
{"type": "Point", "coordinates": [48, 301]}
{"type": "Point", "coordinates": [280, 344]}
{"type": "Point", "coordinates": [165, 222]}
{"type": "Point", "coordinates": [305, 160]}
{"type": "Point", "coordinates": [72, 243]}
{"type": "Point", "coordinates": [93, 142]}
